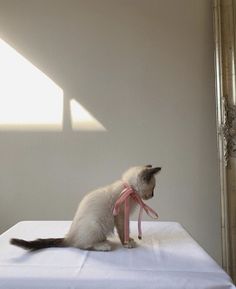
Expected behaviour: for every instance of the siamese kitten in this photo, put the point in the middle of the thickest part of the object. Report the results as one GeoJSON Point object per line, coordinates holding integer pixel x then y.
{"type": "Point", "coordinates": [94, 220]}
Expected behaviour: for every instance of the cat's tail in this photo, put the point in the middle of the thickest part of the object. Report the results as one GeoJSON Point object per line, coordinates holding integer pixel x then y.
{"type": "Point", "coordinates": [39, 243]}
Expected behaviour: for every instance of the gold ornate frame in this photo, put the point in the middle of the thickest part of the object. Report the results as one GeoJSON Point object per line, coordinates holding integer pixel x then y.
{"type": "Point", "coordinates": [225, 35]}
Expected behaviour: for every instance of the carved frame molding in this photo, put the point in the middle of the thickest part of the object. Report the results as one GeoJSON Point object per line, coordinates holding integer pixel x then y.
{"type": "Point", "coordinates": [224, 16]}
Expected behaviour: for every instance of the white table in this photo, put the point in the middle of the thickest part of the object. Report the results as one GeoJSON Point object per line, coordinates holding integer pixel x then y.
{"type": "Point", "coordinates": [166, 258]}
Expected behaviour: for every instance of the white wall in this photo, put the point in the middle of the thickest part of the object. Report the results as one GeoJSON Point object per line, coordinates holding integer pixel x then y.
{"type": "Point", "coordinates": [143, 68]}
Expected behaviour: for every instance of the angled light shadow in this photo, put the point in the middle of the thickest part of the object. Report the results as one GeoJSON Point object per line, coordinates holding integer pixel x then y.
{"type": "Point", "coordinates": [29, 99]}
{"type": "Point", "coordinates": [82, 120]}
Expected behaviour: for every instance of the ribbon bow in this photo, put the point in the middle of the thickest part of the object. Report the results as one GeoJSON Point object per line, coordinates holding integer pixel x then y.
{"type": "Point", "coordinates": [124, 197]}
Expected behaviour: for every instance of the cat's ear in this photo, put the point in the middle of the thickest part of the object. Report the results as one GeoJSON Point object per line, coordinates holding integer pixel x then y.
{"type": "Point", "coordinates": [148, 166]}
{"type": "Point", "coordinates": [149, 173]}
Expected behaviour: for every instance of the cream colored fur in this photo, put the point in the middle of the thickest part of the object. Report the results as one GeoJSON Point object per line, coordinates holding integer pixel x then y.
{"type": "Point", "coordinates": [94, 220]}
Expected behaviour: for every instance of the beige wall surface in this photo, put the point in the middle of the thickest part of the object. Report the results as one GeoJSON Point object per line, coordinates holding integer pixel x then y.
{"type": "Point", "coordinates": [144, 69]}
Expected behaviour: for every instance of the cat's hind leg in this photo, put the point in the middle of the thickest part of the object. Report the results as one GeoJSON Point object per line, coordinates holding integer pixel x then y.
{"type": "Point", "coordinates": [89, 236]}
{"type": "Point", "coordinates": [101, 246]}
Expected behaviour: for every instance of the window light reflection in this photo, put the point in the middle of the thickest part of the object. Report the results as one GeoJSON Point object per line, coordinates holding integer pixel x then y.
{"type": "Point", "coordinates": [29, 99]}
{"type": "Point", "coordinates": [82, 120]}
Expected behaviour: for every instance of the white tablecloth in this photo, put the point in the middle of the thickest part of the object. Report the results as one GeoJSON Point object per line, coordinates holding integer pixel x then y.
{"type": "Point", "coordinates": [166, 258]}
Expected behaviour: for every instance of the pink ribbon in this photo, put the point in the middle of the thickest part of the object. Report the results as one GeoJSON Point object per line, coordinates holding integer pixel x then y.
{"type": "Point", "coordinates": [124, 197]}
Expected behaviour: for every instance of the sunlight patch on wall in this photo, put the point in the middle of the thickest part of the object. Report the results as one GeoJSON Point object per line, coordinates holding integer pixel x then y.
{"type": "Point", "coordinates": [29, 99]}
{"type": "Point", "coordinates": [82, 120]}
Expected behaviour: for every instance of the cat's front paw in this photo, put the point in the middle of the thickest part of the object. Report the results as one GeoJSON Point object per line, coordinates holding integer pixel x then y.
{"type": "Point", "coordinates": [131, 244]}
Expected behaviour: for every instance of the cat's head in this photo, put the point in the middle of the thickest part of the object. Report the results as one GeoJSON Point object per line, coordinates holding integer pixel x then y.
{"type": "Point", "coordinates": [142, 179]}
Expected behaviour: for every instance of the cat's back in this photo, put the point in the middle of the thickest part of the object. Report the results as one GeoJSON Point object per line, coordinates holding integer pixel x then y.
{"type": "Point", "coordinates": [100, 199]}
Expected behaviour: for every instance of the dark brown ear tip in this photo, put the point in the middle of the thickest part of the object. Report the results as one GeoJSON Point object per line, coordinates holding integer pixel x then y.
{"type": "Point", "coordinates": [156, 170]}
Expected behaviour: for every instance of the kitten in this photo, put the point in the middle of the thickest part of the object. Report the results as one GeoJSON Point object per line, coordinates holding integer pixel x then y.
{"type": "Point", "coordinates": [94, 220]}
